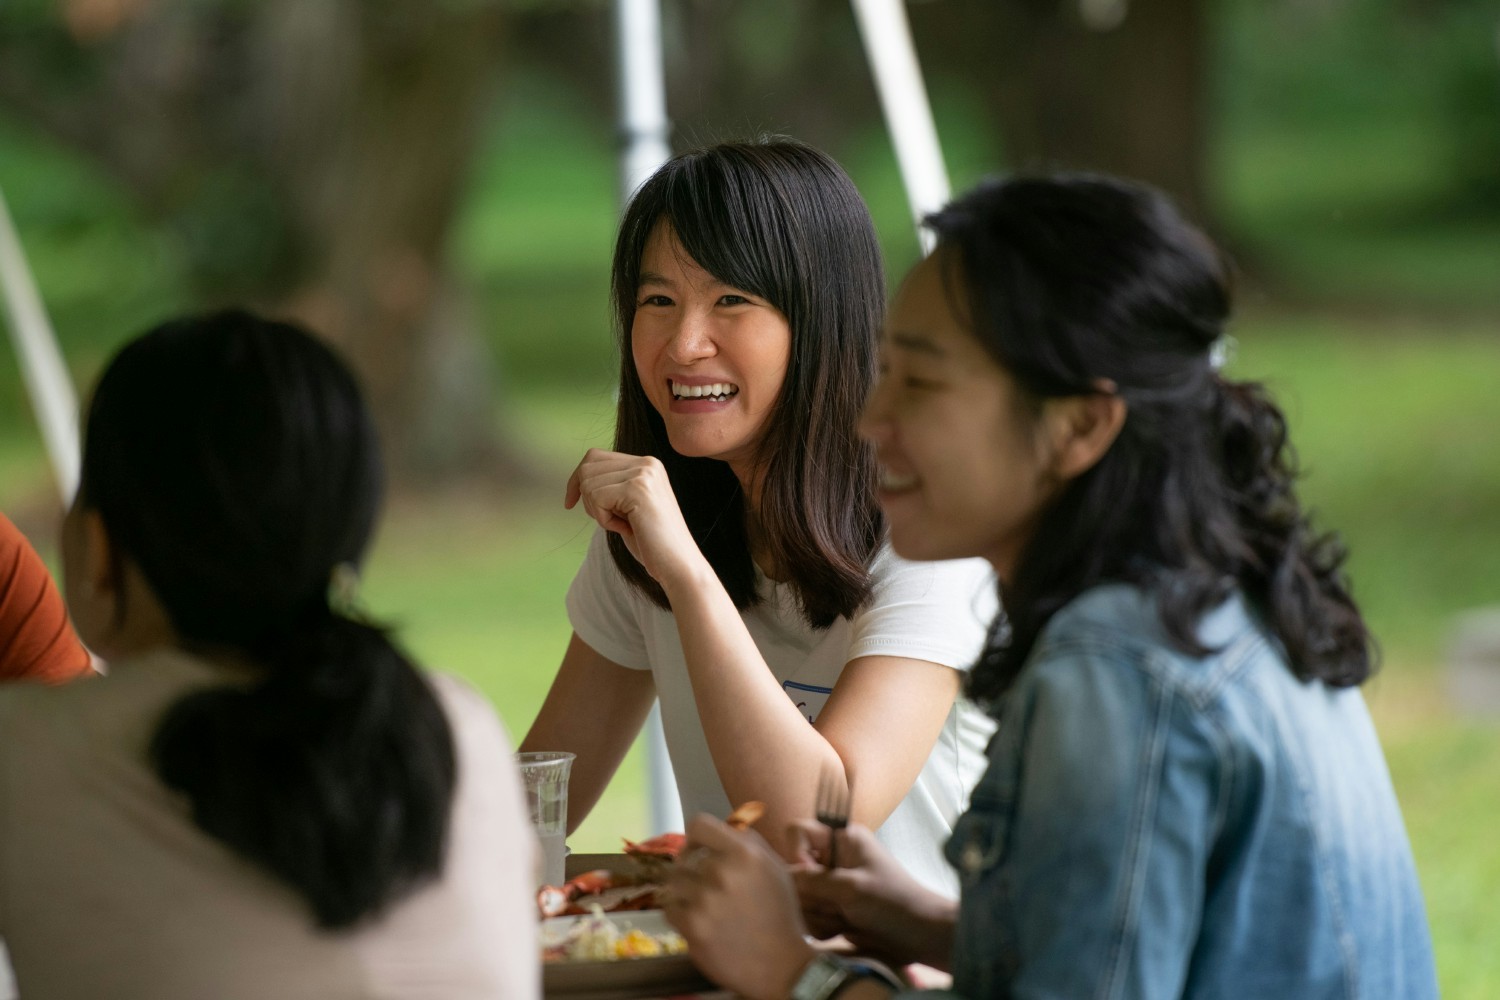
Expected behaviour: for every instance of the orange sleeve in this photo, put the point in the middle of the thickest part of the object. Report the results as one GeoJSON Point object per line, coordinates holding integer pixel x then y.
{"type": "Point", "coordinates": [36, 640]}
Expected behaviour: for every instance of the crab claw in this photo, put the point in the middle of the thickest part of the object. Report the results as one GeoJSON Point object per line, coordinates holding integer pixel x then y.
{"type": "Point", "coordinates": [589, 883]}
{"type": "Point", "coordinates": [551, 901]}
{"type": "Point", "coordinates": [666, 845]}
{"type": "Point", "coordinates": [557, 901]}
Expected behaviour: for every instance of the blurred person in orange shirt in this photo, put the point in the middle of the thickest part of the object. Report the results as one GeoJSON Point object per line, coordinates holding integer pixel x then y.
{"type": "Point", "coordinates": [36, 640]}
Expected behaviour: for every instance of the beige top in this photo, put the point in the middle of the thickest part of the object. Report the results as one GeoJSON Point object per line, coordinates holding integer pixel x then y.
{"type": "Point", "coordinates": [107, 889]}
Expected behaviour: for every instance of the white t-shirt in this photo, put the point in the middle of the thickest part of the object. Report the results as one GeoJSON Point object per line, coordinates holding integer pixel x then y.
{"type": "Point", "coordinates": [108, 889]}
{"type": "Point", "coordinates": [924, 611]}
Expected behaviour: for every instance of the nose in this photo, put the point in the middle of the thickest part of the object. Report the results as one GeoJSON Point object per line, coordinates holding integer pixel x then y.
{"type": "Point", "coordinates": [692, 340]}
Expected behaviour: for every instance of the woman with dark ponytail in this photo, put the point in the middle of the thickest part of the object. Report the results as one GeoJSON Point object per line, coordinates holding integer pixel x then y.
{"type": "Point", "coordinates": [1185, 797]}
{"type": "Point", "coordinates": [264, 797]}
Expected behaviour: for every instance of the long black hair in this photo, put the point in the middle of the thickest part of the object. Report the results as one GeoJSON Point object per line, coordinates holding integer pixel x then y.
{"type": "Point", "coordinates": [781, 221]}
{"type": "Point", "coordinates": [1070, 280]}
{"type": "Point", "coordinates": [233, 461]}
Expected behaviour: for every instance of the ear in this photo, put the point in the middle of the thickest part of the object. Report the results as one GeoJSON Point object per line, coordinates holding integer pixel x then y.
{"type": "Point", "coordinates": [100, 574]}
{"type": "Point", "coordinates": [1081, 429]}
{"type": "Point", "coordinates": [113, 606]}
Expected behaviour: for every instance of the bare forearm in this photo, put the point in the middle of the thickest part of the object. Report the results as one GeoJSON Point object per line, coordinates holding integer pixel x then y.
{"type": "Point", "coordinates": [763, 747]}
{"type": "Point", "coordinates": [594, 765]}
{"type": "Point", "coordinates": [761, 744]}
{"type": "Point", "coordinates": [570, 719]}
{"type": "Point", "coordinates": [877, 727]}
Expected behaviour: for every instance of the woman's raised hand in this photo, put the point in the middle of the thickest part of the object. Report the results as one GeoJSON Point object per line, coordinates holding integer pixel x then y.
{"type": "Point", "coordinates": [871, 899]}
{"type": "Point", "coordinates": [632, 496]}
{"type": "Point", "coordinates": [731, 897]}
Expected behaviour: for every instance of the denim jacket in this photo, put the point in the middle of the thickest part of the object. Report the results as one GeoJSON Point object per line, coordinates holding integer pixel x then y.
{"type": "Point", "coordinates": [1159, 825]}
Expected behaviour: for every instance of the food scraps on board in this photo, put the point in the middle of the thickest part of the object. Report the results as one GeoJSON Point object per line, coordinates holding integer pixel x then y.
{"type": "Point", "coordinates": [597, 938]}
{"type": "Point", "coordinates": [615, 891]}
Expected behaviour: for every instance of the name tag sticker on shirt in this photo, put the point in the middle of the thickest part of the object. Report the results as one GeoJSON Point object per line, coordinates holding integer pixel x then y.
{"type": "Point", "coordinates": [809, 698]}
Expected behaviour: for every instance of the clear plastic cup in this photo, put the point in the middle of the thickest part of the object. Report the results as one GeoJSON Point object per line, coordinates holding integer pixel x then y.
{"type": "Point", "coordinates": [544, 774]}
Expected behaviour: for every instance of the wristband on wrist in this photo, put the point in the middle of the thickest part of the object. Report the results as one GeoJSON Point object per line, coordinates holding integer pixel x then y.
{"type": "Point", "coordinates": [868, 970]}
{"type": "Point", "coordinates": [826, 976]}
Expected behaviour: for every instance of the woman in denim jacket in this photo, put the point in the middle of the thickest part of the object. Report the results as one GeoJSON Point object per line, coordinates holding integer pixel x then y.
{"type": "Point", "coordinates": [1185, 797]}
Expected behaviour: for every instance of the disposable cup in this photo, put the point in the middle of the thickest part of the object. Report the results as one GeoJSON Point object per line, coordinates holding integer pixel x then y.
{"type": "Point", "coordinates": [544, 774]}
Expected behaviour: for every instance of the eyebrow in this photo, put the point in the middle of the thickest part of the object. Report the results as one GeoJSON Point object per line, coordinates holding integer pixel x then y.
{"type": "Point", "coordinates": [652, 278]}
{"type": "Point", "coordinates": [917, 343]}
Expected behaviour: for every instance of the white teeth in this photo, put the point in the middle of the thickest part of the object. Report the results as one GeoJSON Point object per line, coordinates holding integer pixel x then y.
{"type": "Point", "coordinates": [894, 482]}
{"type": "Point", "coordinates": [716, 390]}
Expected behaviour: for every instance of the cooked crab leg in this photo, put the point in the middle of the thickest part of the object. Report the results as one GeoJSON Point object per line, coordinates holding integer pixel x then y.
{"type": "Point", "coordinates": [554, 900]}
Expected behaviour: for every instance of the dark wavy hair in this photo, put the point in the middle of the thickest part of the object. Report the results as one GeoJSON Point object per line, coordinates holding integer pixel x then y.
{"type": "Point", "coordinates": [783, 222]}
{"type": "Point", "coordinates": [1073, 279]}
{"type": "Point", "coordinates": [233, 461]}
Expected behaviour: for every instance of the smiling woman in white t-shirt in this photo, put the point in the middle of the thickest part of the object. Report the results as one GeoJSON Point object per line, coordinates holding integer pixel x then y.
{"type": "Point", "coordinates": [741, 572]}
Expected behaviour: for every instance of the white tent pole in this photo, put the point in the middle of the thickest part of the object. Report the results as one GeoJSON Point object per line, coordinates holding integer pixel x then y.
{"type": "Point", "coordinates": [645, 145]}
{"type": "Point", "coordinates": [47, 380]}
{"type": "Point", "coordinates": [908, 114]}
{"type": "Point", "coordinates": [644, 128]}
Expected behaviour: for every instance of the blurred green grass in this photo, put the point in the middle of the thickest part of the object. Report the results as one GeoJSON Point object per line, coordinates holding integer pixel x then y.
{"type": "Point", "coordinates": [1394, 423]}
{"type": "Point", "coordinates": [1378, 334]}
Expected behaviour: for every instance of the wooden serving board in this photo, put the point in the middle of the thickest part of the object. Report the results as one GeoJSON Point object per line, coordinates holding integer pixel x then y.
{"type": "Point", "coordinates": [621, 864]}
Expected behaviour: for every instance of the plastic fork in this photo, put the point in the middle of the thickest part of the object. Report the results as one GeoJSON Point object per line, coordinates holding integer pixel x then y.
{"type": "Point", "coordinates": [832, 809]}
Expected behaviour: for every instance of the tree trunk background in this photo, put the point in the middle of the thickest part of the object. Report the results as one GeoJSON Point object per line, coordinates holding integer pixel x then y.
{"type": "Point", "coordinates": [311, 158]}
{"type": "Point", "coordinates": [374, 167]}
{"type": "Point", "coordinates": [734, 68]}
{"type": "Point", "coordinates": [1128, 99]}
{"type": "Point", "coordinates": [791, 67]}
{"type": "Point", "coordinates": [311, 155]}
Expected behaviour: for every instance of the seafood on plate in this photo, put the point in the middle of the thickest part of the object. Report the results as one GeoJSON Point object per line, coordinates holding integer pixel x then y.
{"type": "Point", "coordinates": [597, 938]}
{"type": "Point", "coordinates": [654, 855]}
{"type": "Point", "coordinates": [612, 891]}
{"type": "Point", "coordinates": [600, 888]}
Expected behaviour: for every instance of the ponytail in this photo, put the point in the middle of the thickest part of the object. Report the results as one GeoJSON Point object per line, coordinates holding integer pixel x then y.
{"type": "Point", "coordinates": [1192, 501]}
{"type": "Point", "coordinates": [240, 496]}
{"type": "Point", "coordinates": [335, 772]}
{"type": "Point", "coordinates": [1074, 281]}
{"type": "Point", "coordinates": [1293, 574]}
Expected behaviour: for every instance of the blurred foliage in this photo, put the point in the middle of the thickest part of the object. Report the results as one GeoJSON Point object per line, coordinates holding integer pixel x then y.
{"type": "Point", "coordinates": [1353, 170]}
{"type": "Point", "coordinates": [1428, 65]}
{"type": "Point", "coordinates": [104, 268]}
{"type": "Point", "coordinates": [1468, 102]}
{"type": "Point", "coordinates": [305, 159]}
{"type": "Point", "coordinates": [1359, 151]}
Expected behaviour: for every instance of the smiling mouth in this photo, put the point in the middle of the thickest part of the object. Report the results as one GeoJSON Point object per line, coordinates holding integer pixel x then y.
{"type": "Point", "coordinates": [896, 482]}
{"type": "Point", "coordinates": [893, 482]}
{"type": "Point", "coordinates": [716, 391]}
